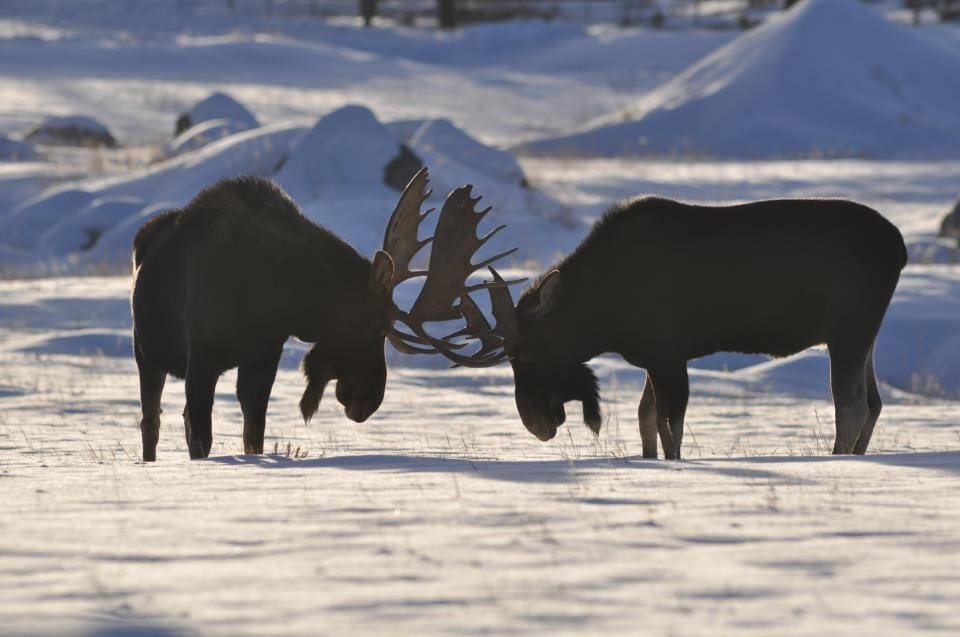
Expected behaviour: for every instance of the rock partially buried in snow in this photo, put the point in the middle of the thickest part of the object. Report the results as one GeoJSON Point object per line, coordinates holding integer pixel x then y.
{"type": "Point", "coordinates": [439, 141]}
{"type": "Point", "coordinates": [348, 150]}
{"type": "Point", "coordinates": [216, 106]}
{"type": "Point", "coordinates": [75, 130]}
{"type": "Point", "coordinates": [202, 134]}
{"type": "Point", "coordinates": [13, 150]}
{"type": "Point", "coordinates": [828, 78]}
{"type": "Point", "coordinates": [950, 227]}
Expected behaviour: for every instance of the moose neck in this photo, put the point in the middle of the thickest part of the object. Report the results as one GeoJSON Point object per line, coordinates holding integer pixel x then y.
{"type": "Point", "coordinates": [332, 297]}
{"type": "Point", "coordinates": [582, 324]}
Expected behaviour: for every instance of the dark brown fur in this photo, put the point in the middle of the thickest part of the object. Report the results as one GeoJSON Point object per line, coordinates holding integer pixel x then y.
{"type": "Point", "coordinates": [661, 282]}
{"type": "Point", "coordinates": [224, 282]}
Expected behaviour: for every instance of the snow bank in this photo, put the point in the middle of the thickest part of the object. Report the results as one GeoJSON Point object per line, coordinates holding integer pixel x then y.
{"type": "Point", "coordinates": [75, 130]}
{"type": "Point", "coordinates": [202, 134]}
{"type": "Point", "coordinates": [346, 151]}
{"type": "Point", "coordinates": [13, 150]}
{"type": "Point", "coordinates": [112, 253]}
{"type": "Point", "coordinates": [82, 231]}
{"type": "Point", "coordinates": [344, 172]}
{"type": "Point", "coordinates": [439, 142]}
{"type": "Point", "coordinates": [216, 106]}
{"type": "Point", "coordinates": [829, 78]}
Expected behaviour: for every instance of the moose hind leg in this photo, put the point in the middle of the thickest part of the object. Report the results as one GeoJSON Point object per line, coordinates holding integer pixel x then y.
{"type": "Point", "coordinates": [874, 406]}
{"type": "Point", "coordinates": [152, 381]}
{"type": "Point", "coordinates": [647, 414]}
{"type": "Point", "coordinates": [254, 382]}
{"type": "Point", "coordinates": [201, 383]}
{"type": "Point", "coordinates": [849, 386]}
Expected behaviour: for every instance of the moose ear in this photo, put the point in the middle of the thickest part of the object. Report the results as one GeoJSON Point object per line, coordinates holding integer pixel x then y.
{"type": "Point", "coordinates": [381, 274]}
{"type": "Point", "coordinates": [549, 294]}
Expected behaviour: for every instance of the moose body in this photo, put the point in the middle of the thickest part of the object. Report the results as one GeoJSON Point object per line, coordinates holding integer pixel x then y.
{"type": "Point", "coordinates": [225, 281]}
{"type": "Point", "coordinates": [661, 282]}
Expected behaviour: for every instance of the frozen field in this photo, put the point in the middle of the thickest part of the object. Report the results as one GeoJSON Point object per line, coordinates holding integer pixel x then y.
{"type": "Point", "coordinates": [441, 515]}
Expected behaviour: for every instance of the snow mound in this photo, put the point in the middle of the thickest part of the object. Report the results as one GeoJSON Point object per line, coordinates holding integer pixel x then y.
{"type": "Point", "coordinates": [46, 230]}
{"type": "Point", "coordinates": [950, 226]}
{"type": "Point", "coordinates": [22, 226]}
{"type": "Point", "coordinates": [82, 231]}
{"type": "Point", "coordinates": [346, 151]}
{"type": "Point", "coordinates": [202, 134]}
{"type": "Point", "coordinates": [112, 253]}
{"type": "Point", "coordinates": [932, 250]}
{"type": "Point", "coordinates": [828, 78]}
{"type": "Point", "coordinates": [75, 130]}
{"type": "Point", "coordinates": [216, 106]}
{"type": "Point", "coordinates": [439, 141]}
{"type": "Point", "coordinates": [13, 150]}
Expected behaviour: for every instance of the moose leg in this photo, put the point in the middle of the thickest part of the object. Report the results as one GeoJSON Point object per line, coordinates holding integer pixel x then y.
{"type": "Point", "coordinates": [671, 387]}
{"type": "Point", "coordinates": [152, 381]}
{"type": "Point", "coordinates": [849, 384]}
{"type": "Point", "coordinates": [254, 382]}
{"type": "Point", "coordinates": [874, 405]}
{"type": "Point", "coordinates": [200, 384]}
{"type": "Point", "coordinates": [647, 414]}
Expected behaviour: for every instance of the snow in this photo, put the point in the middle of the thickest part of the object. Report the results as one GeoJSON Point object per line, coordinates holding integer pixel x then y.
{"type": "Point", "coordinates": [217, 106]}
{"type": "Point", "coordinates": [200, 135]}
{"type": "Point", "coordinates": [72, 130]}
{"type": "Point", "coordinates": [441, 514]}
{"type": "Point", "coordinates": [14, 150]}
{"type": "Point", "coordinates": [828, 78]}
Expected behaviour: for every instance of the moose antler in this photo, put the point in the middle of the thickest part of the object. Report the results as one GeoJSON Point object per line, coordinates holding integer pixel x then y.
{"type": "Point", "coordinates": [455, 241]}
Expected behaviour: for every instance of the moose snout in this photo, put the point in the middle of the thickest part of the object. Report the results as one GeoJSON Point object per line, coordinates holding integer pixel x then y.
{"type": "Point", "coordinates": [357, 404]}
{"type": "Point", "coordinates": [542, 422]}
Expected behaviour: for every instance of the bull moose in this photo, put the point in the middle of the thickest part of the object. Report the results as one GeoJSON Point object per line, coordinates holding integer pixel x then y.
{"type": "Point", "coordinates": [225, 281]}
{"type": "Point", "coordinates": [662, 282]}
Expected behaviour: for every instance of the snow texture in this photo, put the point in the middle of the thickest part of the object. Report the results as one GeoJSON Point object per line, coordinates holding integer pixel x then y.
{"type": "Point", "coordinates": [441, 515]}
{"type": "Point", "coordinates": [14, 150]}
{"type": "Point", "coordinates": [218, 106]}
{"type": "Point", "coordinates": [73, 130]}
{"type": "Point", "coordinates": [829, 78]}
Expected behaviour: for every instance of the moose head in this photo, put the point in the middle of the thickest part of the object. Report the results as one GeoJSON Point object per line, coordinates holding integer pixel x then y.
{"type": "Point", "coordinates": [355, 357]}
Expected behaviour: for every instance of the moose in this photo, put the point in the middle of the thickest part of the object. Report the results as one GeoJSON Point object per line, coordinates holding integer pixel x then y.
{"type": "Point", "coordinates": [225, 281]}
{"type": "Point", "coordinates": [662, 282]}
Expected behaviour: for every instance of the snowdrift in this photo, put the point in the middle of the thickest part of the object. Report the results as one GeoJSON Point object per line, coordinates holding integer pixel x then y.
{"type": "Point", "coordinates": [216, 106]}
{"type": "Point", "coordinates": [13, 150]}
{"type": "Point", "coordinates": [344, 172]}
{"type": "Point", "coordinates": [829, 78]}
{"type": "Point", "coordinates": [74, 130]}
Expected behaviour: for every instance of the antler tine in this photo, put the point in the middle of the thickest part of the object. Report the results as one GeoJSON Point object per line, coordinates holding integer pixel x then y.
{"type": "Point", "coordinates": [455, 242]}
{"type": "Point", "coordinates": [400, 237]}
{"type": "Point", "coordinates": [402, 346]}
{"type": "Point", "coordinates": [501, 303]}
{"type": "Point", "coordinates": [477, 327]}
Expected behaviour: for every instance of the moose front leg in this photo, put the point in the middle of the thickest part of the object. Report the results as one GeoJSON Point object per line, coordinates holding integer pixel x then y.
{"type": "Point", "coordinates": [647, 414]}
{"type": "Point", "coordinates": [672, 390]}
{"type": "Point", "coordinates": [152, 381]}
{"type": "Point", "coordinates": [254, 382]}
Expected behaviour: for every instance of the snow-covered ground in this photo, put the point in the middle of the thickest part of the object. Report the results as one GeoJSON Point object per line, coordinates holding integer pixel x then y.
{"type": "Point", "coordinates": [441, 514]}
